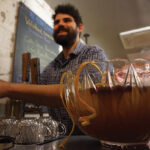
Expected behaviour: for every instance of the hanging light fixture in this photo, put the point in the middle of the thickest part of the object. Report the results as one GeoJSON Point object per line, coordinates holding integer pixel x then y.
{"type": "Point", "coordinates": [86, 35]}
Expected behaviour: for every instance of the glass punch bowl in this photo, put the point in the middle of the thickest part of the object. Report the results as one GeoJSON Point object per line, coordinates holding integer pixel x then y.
{"type": "Point", "coordinates": [110, 100]}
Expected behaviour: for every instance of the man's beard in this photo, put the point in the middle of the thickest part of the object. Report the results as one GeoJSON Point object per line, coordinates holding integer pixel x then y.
{"type": "Point", "coordinates": [65, 40]}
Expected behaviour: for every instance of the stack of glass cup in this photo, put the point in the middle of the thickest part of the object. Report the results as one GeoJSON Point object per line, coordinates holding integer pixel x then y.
{"type": "Point", "coordinates": [31, 130]}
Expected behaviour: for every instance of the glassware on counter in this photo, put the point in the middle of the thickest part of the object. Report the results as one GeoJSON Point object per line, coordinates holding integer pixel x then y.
{"type": "Point", "coordinates": [31, 130]}
{"type": "Point", "coordinates": [58, 129]}
{"type": "Point", "coordinates": [8, 127]}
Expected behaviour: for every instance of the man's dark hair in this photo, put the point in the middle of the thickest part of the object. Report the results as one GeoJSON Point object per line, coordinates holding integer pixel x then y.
{"type": "Point", "coordinates": [70, 10]}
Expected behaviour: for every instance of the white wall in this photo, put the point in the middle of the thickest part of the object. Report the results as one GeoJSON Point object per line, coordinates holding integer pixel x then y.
{"type": "Point", "coordinates": [8, 20]}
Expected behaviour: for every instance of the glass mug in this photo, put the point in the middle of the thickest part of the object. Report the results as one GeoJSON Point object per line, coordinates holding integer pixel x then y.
{"type": "Point", "coordinates": [109, 100]}
{"type": "Point", "coordinates": [57, 128]}
{"type": "Point", "coordinates": [30, 132]}
{"type": "Point", "coordinates": [8, 127]}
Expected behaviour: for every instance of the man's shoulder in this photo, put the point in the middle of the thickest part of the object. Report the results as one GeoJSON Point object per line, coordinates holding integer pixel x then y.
{"type": "Point", "coordinates": [93, 49]}
{"type": "Point", "coordinates": [91, 52]}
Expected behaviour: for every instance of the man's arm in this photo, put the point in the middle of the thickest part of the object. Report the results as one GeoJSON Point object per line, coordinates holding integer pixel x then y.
{"type": "Point", "coordinates": [48, 95]}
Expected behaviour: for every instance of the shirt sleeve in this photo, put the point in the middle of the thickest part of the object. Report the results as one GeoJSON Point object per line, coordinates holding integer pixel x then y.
{"type": "Point", "coordinates": [96, 53]}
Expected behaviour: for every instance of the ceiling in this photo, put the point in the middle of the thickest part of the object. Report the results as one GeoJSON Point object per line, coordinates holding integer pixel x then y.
{"type": "Point", "coordinates": [105, 19]}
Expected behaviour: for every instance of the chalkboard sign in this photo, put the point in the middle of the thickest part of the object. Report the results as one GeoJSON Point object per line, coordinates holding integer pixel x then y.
{"type": "Point", "coordinates": [34, 36]}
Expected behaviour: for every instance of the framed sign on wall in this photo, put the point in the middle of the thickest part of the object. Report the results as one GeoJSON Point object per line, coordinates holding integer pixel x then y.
{"type": "Point", "coordinates": [33, 35]}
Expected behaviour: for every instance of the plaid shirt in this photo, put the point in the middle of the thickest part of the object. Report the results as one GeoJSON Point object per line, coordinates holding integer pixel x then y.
{"type": "Point", "coordinates": [53, 72]}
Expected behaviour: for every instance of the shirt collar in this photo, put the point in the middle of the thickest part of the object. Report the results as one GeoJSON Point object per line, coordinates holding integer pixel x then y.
{"type": "Point", "coordinates": [78, 48]}
{"type": "Point", "coordinates": [60, 58]}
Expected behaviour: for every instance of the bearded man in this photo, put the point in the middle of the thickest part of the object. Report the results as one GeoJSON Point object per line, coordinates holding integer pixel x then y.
{"type": "Point", "coordinates": [68, 26]}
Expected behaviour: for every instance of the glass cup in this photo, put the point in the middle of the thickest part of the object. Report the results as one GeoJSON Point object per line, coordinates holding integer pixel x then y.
{"type": "Point", "coordinates": [109, 100]}
{"type": "Point", "coordinates": [31, 131]}
{"type": "Point", "coordinates": [57, 128]}
{"type": "Point", "coordinates": [8, 127]}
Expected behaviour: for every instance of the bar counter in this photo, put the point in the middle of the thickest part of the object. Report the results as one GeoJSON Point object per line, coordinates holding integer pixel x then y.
{"type": "Point", "coordinates": [76, 143]}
